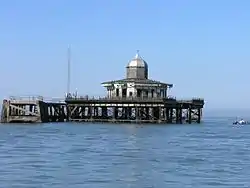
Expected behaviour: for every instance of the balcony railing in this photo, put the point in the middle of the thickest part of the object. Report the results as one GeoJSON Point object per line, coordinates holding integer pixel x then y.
{"type": "Point", "coordinates": [26, 98]}
{"type": "Point", "coordinates": [88, 98]}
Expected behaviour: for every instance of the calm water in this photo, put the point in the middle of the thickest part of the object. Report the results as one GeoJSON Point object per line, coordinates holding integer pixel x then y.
{"type": "Point", "coordinates": [214, 154]}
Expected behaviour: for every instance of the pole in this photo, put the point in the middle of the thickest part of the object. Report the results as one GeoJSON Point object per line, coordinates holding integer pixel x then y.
{"type": "Point", "coordinates": [69, 61]}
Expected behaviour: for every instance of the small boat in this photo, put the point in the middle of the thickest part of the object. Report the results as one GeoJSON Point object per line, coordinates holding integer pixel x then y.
{"type": "Point", "coordinates": [240, 122]}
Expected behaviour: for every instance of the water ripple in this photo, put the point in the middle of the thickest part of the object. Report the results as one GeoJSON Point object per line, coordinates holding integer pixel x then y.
{"type": "Point", "coordinates": [214, 154]}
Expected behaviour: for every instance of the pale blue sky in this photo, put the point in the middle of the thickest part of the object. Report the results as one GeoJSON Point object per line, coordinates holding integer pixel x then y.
{"type": "Point", "coordinates": [202, 47]}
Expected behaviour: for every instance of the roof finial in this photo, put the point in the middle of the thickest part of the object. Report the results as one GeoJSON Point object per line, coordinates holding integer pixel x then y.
{"type": "Point", "coordinates": [137, 54]}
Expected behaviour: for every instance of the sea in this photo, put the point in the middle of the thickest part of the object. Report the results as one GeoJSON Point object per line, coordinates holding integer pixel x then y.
{"type": "Point", "coordinates": [214, 153]}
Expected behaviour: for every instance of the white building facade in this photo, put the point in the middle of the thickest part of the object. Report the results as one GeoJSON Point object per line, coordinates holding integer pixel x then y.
{"type": "Point", "coordinates": [136, 84]}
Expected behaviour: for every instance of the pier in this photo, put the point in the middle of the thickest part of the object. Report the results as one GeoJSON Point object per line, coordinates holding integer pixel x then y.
{"type": "Point", "coordinates": [135, 110]}
{"type": "Point", "coordinates": [32, 110]}
{"type": "Point", "coordinates": [133, 99]}
{"type": "Point", "coordinates": [113, 110]}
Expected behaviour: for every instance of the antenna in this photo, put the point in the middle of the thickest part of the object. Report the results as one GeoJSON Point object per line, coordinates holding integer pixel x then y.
{"type": "Point", "coordinates": [69, 61]}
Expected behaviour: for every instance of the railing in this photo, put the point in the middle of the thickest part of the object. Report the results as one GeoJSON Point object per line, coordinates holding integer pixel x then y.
{"type": "Point", "coordinates": [88, 98]}
{"type": "Point", "coordinates": [54, 100]}
{"type": "Point", "coordinates": [36, 98]}
{"type": "Point", "coordinates": [26, 98]}
{"type": "Point", "coordinates": [113, 98]}
{"type": "Point", "coordinates": [197, 99]}
{"type": "Point", "coordinates": [119, 98]}
{"type": "Point", "coordinates": [192, 99]}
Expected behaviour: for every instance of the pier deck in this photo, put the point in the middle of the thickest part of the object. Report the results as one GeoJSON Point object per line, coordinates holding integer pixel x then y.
{"type": "Point", "coordinates": [134, 110]}
{"type": "Point", "coordinates": [113, 110]}
{"type": "Point", "coordinates": [32, 110]}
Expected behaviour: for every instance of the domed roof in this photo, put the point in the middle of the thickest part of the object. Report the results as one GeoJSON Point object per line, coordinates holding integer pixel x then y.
{"type": "Point", "coordinates": [137, 61]}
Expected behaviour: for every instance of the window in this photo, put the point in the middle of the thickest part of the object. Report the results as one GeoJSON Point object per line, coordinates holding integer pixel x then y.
{"type": "Point", "coordinates": [138, 93]}
{"type": "Point", "coordinates": [117, 92]}
{"type": "Point", "coordinates": [124, 92]}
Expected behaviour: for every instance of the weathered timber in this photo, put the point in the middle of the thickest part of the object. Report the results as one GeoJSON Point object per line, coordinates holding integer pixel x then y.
{"type": "Point", "coordinates": [54, 112]}
{"type": "Point", "coordinates": [115, 110]}
{"type": "Point", "coordinates": [134, 110]}
{"type": "Point", "coordinates": [32, 110]}
{"type": "Point", "coordinates": [17, 110]}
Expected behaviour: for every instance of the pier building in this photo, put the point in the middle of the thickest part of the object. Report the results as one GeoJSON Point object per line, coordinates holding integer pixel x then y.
{"type": "Point", "coordinates": [137, 98]}
{"type": "Point", "coordinates": [137, 84]}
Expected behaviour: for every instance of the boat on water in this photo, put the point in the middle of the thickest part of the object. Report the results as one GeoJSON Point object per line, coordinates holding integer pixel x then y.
{"type": "Point", "coordinates": [241, 122]}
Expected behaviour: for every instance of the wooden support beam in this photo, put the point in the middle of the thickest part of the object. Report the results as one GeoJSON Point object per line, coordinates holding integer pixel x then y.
{"type": "Point", "coordinates": [74, 109]}
{"type": "Point", "coordinates": [199, 116]}
{"type": "Point", "coordinates": [21, 109]}
{"type": "Point", "coordinates": [190, 115]}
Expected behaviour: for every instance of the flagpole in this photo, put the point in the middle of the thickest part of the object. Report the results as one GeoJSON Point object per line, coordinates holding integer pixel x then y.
{"type": "Point", "coordinates": [69, 63]}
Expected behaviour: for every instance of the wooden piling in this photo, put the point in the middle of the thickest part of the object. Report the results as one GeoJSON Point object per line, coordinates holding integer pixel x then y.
{"type": "Point", "coordinates": [140, 111]}
{"type": "Point", "coordinates": [103, 110]}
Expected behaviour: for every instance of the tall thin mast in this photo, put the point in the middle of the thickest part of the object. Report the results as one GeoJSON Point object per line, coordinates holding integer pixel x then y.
{"type": "Point", "coordinates": [69, 61]}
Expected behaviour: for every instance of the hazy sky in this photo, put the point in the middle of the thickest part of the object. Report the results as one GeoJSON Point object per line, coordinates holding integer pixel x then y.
{"type": "Point", "coordinates": [202, 47]}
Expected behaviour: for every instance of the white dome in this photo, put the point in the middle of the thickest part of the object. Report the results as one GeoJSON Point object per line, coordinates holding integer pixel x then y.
{"type": "Point", "coordinates": [137, 61]}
